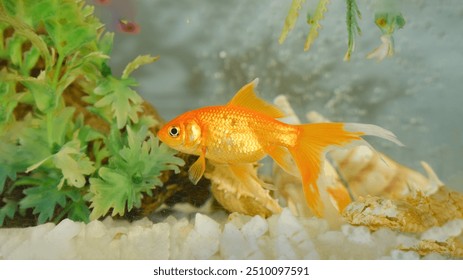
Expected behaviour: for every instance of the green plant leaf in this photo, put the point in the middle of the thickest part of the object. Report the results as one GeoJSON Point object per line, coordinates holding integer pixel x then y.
{"type": "Point", "coordinates": [14, 49]}
{"type": "Point", "coordinates": [124, 102]}
{"type": "Point", "coordinates": [388, 22]}
{"type": "Point", "coordinates": [30, 60]}
{"type": "Point", "coordinates": [290, 20]}
{"type": "Point", "coordinates": [137, 62]}
{"type": "Point", "coordinates": [58, 125]}
{"type": "Point", "coordinates": [8, 210]}
{"type": "Point", "coordinates": [8, 102]}
{"type": "Point", "coordinates": [79, 211]}
{"type": "Point", "coordinates": [68, 31]}
{"type": "Point", "coordinates": [315, 22]}
{"type": "Point", "coordinates": [10, 6]}
{"type": "Point", "coordinates": [105, 44]}
{"type": "Point", "coordinates": [111, 191]}
{"type": "Point", "coordinates": [22, 29]}
{"type": "Point", "coordinates": [29, 144]}
{"type": "Point", "coordinates": [352, 13]}
{"type": "Point", "coordinates": [73, 164]}
{"type": "Point", "coordinates": [43, 93]}
{"type": "Point", "coordinates": [6, 171]}
{"type": "Point", "coordinates": [44, 198]}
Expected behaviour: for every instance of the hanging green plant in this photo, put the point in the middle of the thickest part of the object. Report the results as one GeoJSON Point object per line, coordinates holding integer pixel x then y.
{"type": "Point", "coordinates": [387, 18]}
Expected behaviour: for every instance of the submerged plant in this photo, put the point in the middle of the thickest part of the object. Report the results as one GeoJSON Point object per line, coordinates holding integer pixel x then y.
{"type": "Point", "coordinates": [388, 22]}
{"type": "Point", "coordinates": [73, 141]}
{"type": "Point", "coordinates": [387, 18]}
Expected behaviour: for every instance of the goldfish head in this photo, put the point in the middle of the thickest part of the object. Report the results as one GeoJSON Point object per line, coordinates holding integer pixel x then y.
{"type": "Point", "coordinates": [182, 134]}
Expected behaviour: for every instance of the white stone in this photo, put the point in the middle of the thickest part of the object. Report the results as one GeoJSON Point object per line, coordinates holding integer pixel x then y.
{"type": "Point", "coordinates": [146, 242]}
{"type": "Point", "coordinates": [95, 229]}
{"type": "Point", "coordinates": [205, 226]}
{"type": "Point", "coordinates": [288, 225]}
{"type": "Point", "coordinates": [34, 245]}
{"type": "Point", "coordinates": [281, 236]}
{"type": "Point", "coordinates": [233, 245]}
{"type": "Point", "coordinates": [179, 232]}
{"type": "Point", "coordinates": [357, 234]}
{"type": "Point", "coordinates": [450, 229]}
{"type": "Point", "coordinates": [402, 255]}
{"type": "Point", "coordinates": [283, 249]}
{"type": "Point", "coordinates": [65, 230]}
{"type": "Point", "coordinates": [255, 228]}
{"type": "Point", "coordinates": [203, 241]}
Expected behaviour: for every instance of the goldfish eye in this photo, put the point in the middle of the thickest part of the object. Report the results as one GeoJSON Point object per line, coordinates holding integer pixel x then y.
{"type": "Point", "coordinates": [174, 131]}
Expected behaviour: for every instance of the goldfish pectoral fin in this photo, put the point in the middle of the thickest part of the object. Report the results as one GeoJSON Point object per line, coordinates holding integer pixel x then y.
{"type": "Point", "coordinates": [283, 158]}
{"type": "Point", "coordinates": [339, 197]}
{"type": "Point", "coordinates": [247, 98]}
{"type": "Point", "coordinates": [197, 169]}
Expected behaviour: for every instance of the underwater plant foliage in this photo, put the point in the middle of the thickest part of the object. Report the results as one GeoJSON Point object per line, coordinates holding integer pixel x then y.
{"type": "Point", "coordinates": [387, 18]}
{"type": "Point", "coordinates": [73, 141]}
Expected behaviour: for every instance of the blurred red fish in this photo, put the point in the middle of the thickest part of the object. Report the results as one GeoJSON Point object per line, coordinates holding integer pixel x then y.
{"type": "Point", "coordinates": [123, 14]}
{"type": "Point", "coordinates": [245, 130]}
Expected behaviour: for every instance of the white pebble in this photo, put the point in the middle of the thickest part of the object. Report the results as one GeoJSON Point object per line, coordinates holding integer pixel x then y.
{"type": "Point", "coordinates": [255, 228]}
{"type": "Point", "coordinates": [232, 243]}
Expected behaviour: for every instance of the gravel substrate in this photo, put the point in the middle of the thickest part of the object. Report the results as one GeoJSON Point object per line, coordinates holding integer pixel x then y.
{"type": "Point", "coordinates": [235, 236]}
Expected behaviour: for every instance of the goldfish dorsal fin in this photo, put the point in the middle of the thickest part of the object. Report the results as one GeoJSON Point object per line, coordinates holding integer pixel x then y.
{"type": "Point", "coordinates": [246, 97]}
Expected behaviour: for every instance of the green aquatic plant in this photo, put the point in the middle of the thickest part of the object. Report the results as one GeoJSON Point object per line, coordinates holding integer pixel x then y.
{"type": "Point", "coordinates": [313, 20]}
{"type": "Point", "coordinates": [352, 16]}
{"type": "Point", "coordinates": [387, 18]}
{"type": "Point", "coordinates": [73, 140]}
{"type": "Point", "coordinates": [388, 22]}
{"type": "Point", "coordinates": [134, 168]}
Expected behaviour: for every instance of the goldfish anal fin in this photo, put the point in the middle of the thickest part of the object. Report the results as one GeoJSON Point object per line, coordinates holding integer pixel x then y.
{"type": "Point", "coordinates": [246, 97]}
{"type": "Point", "coordinates": [283, 158]}
{"type": "Point", "coordinates": [197, 169]}
{"type": "Point", "coordinates": [246, 173]}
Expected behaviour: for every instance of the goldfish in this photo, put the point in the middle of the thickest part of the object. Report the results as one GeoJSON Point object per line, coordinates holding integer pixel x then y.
{"type": "Point", "coordinates": [247, 129]}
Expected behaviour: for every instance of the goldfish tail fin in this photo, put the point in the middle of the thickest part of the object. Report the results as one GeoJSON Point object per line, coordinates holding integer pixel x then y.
{"type": "Point", "coordinates": [314, 140]}
{"type": "Point", "coordinates": [372, 130]}
{"type": "Point", "coordinates": [339, 197]}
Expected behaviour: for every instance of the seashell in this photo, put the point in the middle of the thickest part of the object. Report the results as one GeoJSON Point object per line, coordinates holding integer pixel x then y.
{"type": "Point", "coordinates": [244, 195]}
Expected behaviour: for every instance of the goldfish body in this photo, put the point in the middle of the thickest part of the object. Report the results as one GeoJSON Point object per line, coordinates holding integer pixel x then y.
{"type": "Point", "coordinates": [245, 130]}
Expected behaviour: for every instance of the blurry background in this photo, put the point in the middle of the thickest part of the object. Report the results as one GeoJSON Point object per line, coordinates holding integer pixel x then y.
{"type": "Point", "coordinates": [210, 48]}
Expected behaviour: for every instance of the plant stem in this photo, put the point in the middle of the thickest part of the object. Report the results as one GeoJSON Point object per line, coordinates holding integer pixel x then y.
{"type": "Point", "coordinates": [59, 63]}
{"type": "Point", "coordinates": [65, 210]}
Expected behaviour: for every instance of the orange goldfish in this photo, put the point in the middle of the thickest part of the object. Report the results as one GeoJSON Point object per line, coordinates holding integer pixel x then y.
{"type": "Point", "coordinates": [245, 130]}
